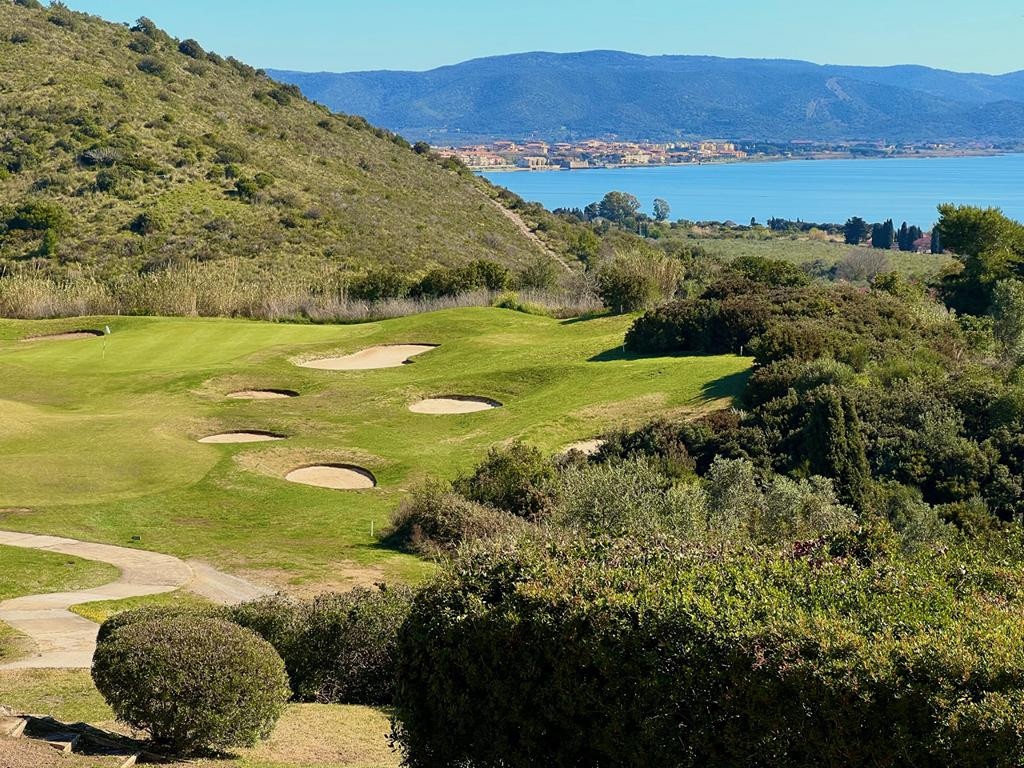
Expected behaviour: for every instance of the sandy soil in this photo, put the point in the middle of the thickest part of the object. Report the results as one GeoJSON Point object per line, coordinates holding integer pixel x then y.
{"type": "Point", "coordinates": [586, 447]}
{"type": "Point", "coordinates": [241, 437]}
{"type": "Point", "coordinates": [261, 394]}
{"type": "Point", "coordinates": [385, 356]}
{"type": "Point", "coordinates": [454, 404]}
{"type": "Point", "coordinates": [340, 478]}
{"type": "Point", "coordinates": [69, 336]}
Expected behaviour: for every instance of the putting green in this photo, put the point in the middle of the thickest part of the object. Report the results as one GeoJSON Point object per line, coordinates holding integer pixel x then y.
{"type": "Point", "coordinates": [101, 435]}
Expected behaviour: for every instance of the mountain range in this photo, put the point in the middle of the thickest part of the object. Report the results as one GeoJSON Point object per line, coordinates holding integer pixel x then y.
{"type": "Point", "coordinates": [565, 96]}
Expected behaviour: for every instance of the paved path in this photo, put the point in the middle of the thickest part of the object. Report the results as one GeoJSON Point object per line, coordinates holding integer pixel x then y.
{"type": "Point", "coordinates": [64, 639]}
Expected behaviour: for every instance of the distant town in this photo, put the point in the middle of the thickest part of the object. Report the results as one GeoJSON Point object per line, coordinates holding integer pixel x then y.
{"type": "Point", "coordinates": [507, 155]}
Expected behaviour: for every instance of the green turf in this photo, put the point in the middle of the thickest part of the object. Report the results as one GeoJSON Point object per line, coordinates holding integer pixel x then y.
{"type": "Point", "coordinates": [101, 434]}
{"type": "Point", "coordinates": [29, 572]}
{"type": "Point", "coordinates": [801, 250]}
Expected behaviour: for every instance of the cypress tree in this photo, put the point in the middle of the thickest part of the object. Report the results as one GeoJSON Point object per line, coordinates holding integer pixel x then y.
{"type": "Point", "coordinates": [833, 443]}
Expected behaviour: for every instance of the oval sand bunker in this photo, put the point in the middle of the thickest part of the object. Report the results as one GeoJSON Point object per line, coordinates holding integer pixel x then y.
{"type": "Point", "coordinates": [384, 356]}
{"type": "Point", "coordinates": [340, 477]}
{"type": "Point", "coordinates": [454, 404]}
{"type": "Point", "coordinates": [66, 336]}
{"type": "Point", "coordinates": [227, 438]}
{"type": "Point", "coordinates": [262, 394]}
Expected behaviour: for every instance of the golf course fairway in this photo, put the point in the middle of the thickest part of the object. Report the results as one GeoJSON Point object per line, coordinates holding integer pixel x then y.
{"type": "Point", "coordinates": [100, 438]}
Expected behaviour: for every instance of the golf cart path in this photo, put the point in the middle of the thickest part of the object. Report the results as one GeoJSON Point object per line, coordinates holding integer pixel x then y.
{"type": "Point", "coordinates": [65, 640]}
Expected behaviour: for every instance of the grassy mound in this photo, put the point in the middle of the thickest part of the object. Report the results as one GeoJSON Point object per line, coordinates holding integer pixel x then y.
{"type": "Point", "coordinates": [126, 149]}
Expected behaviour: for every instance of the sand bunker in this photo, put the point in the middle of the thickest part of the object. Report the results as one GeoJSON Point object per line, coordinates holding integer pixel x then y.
{"type": "Point", "coordinates": [262, 394]}
{"type": "Point", "coordinates": [340, 477]}
{"type": "Point", "coordinates": [384, 356]}
{"type": "Point", "coordinates": [454, 404]}
{"type": "Point", "coordinates": [66, 336]}
{"type": "Point", "coordinates": [586, 447]}
{"type": "Point", "coordinates": [242, 437]}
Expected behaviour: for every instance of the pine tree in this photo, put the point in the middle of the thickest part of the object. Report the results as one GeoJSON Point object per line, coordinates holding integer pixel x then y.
{"type": "Point", "coordinates": [936, 241]}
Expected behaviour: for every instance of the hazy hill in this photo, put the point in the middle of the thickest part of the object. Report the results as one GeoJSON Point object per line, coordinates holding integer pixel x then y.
{"type": "Point", "coordinates": [607, 92]}
{"type": "Point", "coordinates": [120, 149]}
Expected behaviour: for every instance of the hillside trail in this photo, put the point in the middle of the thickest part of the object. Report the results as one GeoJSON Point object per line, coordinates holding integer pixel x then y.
{"type": "Point", "coordinates": [529, 234]}
{"type": "Point", "coordinates": [65, 640]}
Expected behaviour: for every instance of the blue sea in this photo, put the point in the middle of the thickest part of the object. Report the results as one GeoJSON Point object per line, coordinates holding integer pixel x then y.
{"type": "Point", "coordinates": [903, 189]}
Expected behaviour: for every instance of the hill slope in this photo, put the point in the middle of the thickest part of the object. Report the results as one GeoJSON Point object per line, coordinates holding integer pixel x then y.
{"type": "Point", "coordinates": [118, 151]}
{"type": "Point", "coordinates": [580, 95]}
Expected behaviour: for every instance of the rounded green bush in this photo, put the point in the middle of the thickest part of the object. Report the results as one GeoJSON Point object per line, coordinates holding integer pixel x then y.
{"type": "Point", "coordinates": [152, 612]}
{"type": "Point", "coordinates": [193, 683]}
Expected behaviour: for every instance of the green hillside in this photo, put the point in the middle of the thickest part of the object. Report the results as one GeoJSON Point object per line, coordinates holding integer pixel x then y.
{"type": "Point", "coordinates": [123, 149]}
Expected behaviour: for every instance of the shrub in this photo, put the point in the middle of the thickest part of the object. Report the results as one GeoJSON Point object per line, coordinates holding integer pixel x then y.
{"type": "Point", "coordinates": [434, 519]}
{"type": "Point", "coordinates": [148, 223]}
{"type": "Point", "coordinates": [635, 279]}
{"type": "Point", "coordinates": [192, 49]}
{"type": "Point", "coordinates": [516, 478]}
{"type": "Point", "coordinates": [247, 189]}
{"type": "Point", "coordinates": [635, 653]}
{"type": "Point", "coordinates": [347, 651]}
{"type": "Point", "coordinates": [156, 612]}
{"type": "Point", "coordinates": [380, 283]}
{"type": "Point", "coordinates": [152, 66]}
{"type": "Point", "coordinates": [20, 38]}
{"type": "Point", "coordinates": [193, 683]}
{"type": "Point", "coordinates": [38, 216]}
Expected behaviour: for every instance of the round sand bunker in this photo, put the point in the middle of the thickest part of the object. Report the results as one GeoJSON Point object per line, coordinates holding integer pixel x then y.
{"type": "Point", "coordinates": [66, 336]}
{"type": "Point", "coordinates": [262, 394]}
{"type": "Point", "coordinates": [227, 438]}
{"type": "Point", "coordinates": [454, 404]}
{"type": "Point", "coordinates": [384, 356]}
{"type": "Point", "coordinates": [340, 477]}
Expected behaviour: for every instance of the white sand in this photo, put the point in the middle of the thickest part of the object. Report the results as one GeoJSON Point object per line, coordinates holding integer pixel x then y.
{"type": "Point", "coordinates": [260, 394]}
{"type": "Point", "coordinates": [69, 336]}
{"type": "Point", "coordinates": [453, 404]}
{"type": "Point", "coordinates": [586, 447]}
{"type": "Point", "coordinates": [384, 356]}
{"type": "Point", "coordinates": [241, 437]}
{"type": "Point", "coordinates": [340, 478]}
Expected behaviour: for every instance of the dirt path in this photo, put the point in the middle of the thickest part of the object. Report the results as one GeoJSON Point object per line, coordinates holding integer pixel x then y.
{"type": "Point", "coordinates": [529, 234]}
{"type": "Point", "coordinates": [66, 640]}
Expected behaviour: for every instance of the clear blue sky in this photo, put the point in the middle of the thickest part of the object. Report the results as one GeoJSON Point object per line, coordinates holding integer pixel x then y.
{"type": "Point", "coordinates": [342, 35]}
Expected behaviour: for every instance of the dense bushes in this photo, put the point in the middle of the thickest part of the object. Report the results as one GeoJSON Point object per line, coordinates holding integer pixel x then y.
{"type": "Point", "coordinates": [630, 653]}
{"type": "Point", "coordinates": [515, 478]}
{"type": "Point", "coordinates": [434, 519]}
{"type": "Point", "coordinates": [636, 279]}
{"type": "Point", "coordinates": [337, 648]}
{"type": "Point", "coordinates": [193, 683]}
{"type": "Point", "coordinates": [773, 320]}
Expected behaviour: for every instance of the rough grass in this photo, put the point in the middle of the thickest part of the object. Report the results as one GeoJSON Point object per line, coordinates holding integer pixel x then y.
{"type": "Point", "coordinates": [801, 250]}
{"type": "Point", "coordinates": [340, 196]}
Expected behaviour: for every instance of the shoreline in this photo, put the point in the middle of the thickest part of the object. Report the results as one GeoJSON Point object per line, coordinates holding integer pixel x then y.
{"type": "Point", "coordinates": [815, 156]}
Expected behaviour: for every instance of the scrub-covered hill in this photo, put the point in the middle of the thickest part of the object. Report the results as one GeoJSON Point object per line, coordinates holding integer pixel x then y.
{"type": "Point", "coordinates": [123, 149]}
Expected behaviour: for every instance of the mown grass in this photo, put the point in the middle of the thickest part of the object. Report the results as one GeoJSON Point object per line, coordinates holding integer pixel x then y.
{"type": "Point", "coordinates": [29, 572]}
{"type": "Point", "coordinates": [307, 736]}
{"type": "Point", "coordinates": [101, 439]}
{"type": "Point", "coordinates": [101, 444]}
